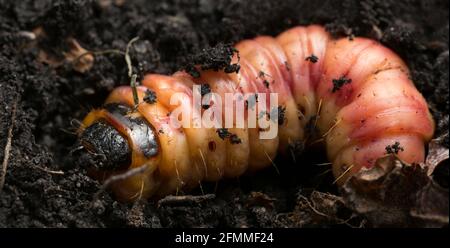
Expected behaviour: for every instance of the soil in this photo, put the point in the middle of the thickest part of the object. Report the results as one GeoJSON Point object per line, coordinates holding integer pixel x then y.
{"type": "Point", "coordinates": [46, 187]}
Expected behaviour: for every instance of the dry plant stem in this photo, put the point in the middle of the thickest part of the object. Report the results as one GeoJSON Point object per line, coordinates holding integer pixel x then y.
{"type": "Point", "coordinates": [127, 55]}
{"type": "Point", "coordinates": [8, 147]}
{"type": "Point", "coordinates": [130, 71]}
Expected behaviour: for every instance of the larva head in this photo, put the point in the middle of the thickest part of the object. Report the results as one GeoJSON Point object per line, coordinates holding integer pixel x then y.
{"type": "Point", "coordinates": [110, 148]}
{"type": "Point", "coordinates": [118, 140]}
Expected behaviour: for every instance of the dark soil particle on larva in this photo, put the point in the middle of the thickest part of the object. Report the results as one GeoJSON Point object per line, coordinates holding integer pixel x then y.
{"type": "Point", "coordinates": [339, 82]}
{"type": "Point", "coordinates": [47, 187]}
{"type": "Point", "coordinates": [150, 96]}
{"type": "Point", "coordinates": [394, 148]}
{"type": "Point", "coordinates": [312, 58]}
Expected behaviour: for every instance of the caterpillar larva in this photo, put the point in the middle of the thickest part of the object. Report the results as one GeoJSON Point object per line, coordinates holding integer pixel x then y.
{"type": "Point", "coordinates": [355, 91]}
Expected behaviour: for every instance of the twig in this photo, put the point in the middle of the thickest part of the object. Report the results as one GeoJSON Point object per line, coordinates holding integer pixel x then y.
{"type": "Point", "coordinates": [178, 200]}
{"type": "Point", "coordinates": [8, 147]}
{"type": "Point", "coordinates": [58, 172]}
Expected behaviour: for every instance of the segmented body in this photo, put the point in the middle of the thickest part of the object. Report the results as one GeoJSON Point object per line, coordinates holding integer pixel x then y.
{"type": "Point", "coordinates": [356, 92]}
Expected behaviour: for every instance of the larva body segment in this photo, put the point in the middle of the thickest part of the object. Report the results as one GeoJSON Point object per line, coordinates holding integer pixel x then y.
{"type": "Point", "coordinates": [357, 93]}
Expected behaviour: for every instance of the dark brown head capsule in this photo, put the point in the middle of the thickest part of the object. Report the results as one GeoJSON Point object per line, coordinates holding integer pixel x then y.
{"type": "Point", "coordinates": [107, 145]}
{"type": "Point", "coordinates": [114, 134]}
